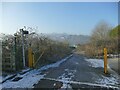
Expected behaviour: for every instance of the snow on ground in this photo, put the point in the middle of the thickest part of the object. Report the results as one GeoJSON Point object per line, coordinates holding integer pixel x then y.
{"type": "Point", "coordinates": [24, 70]}
{"type": "Point", "coordinates": [6, 77]}
{"type": "Point", "coordinates": [113, 79]}
{"type": "Point", "coordinates": [54, 64]}
{"type": "Point", "coordinates": [0, 81]}
{"type": "Point", "coordinates": [67, 76]}
{"type": "Point", "coordinates": [30, 78]}
{"type": "Point", "coordinates": [95, 62]}
{"type": "Point", "coordinates": [0, 78]}
{"type": "Point", "coordinates": [27, 81]}
{"type": "Point", "coordinates": [0, 87]}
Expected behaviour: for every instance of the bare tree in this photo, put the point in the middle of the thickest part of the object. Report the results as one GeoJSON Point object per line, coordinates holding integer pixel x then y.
{"type": "Point", "coordinates": [99, 39]}
{"type": "Point", "coordinates": [101, 31]}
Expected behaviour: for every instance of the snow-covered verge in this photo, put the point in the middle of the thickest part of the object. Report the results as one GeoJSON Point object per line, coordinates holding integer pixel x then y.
{"type": "Point", "coordinates": [112, 79]}
{"type": "Point", "coordinates": [30, 78]}
{"type": "Point", "coordinates": [95, 63]}
{"type": "Point", "coordinates": [55, 64]}
{"type": "Point", "coordinates": [26, 82]}
{"type": "Point", "coordinates": [5, 78]}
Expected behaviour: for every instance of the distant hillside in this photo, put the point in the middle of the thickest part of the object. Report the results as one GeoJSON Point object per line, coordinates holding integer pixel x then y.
{"type": "Point", "coordinates": [72, 39]}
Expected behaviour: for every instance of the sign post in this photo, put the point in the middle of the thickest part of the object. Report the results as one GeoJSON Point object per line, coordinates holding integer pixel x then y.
{"type": "Point", "coordinates": [105, 61]}
{"type": "Point", "coordinates": [23, 49]}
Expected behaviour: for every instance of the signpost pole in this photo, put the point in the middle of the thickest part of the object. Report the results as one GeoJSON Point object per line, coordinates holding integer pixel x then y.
{"type": "Point", "coordinates": [23, 49]}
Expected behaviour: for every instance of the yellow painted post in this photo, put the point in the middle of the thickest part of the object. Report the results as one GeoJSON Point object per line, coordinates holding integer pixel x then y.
{"type": "Point", "coordinates": [105, 61]}
{"type": "Point", "coordinates": [30, 58]}
{"type": "Point", "coordinates": [33, 59]}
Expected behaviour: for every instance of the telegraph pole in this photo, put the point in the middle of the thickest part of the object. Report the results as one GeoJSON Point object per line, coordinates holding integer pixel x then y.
{"type": "Point", "coordinates": [23, 47]}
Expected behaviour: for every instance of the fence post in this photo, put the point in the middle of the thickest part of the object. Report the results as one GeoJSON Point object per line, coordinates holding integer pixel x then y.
{"type": "Point", "coordinates": [33, 62]}
{"type": "Point", "coordinates": [105, 61]}
{"type": "Point", "coordinates": [30, 58]}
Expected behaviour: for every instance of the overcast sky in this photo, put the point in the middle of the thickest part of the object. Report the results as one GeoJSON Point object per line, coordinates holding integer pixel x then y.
{"type": "Point", "coordinates": [57, 17]}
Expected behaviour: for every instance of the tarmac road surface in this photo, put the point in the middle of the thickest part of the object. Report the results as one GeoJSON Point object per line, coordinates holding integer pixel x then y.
{"type": "Point", "coordinates": [76, 74]}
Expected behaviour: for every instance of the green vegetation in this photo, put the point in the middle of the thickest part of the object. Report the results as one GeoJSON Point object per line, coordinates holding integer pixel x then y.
{"type": "Point", "coordinates": [115, 32]}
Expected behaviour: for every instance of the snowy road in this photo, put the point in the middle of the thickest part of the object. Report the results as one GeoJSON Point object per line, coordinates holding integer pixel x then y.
{"type": "Point", "coordinates": [79, 72]}
{"type": "Point", "coordinates": [73, 72]}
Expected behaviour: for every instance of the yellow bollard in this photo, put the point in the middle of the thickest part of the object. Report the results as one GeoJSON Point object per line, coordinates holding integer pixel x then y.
{"type": "Point", "coordinates": [105, 61]}
{"type": "Point", "coordinates": [33, 59]}
{"type": "Point", "coordinates": [30, 58]}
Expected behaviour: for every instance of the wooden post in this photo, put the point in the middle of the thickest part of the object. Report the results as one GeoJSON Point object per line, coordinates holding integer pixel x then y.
{"type": "Point", "coordinates": [33, 60]}
{"type": "Point", "coordinates": [30, 58]}
{"type": "Point", "coordinates": [105, 61]}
